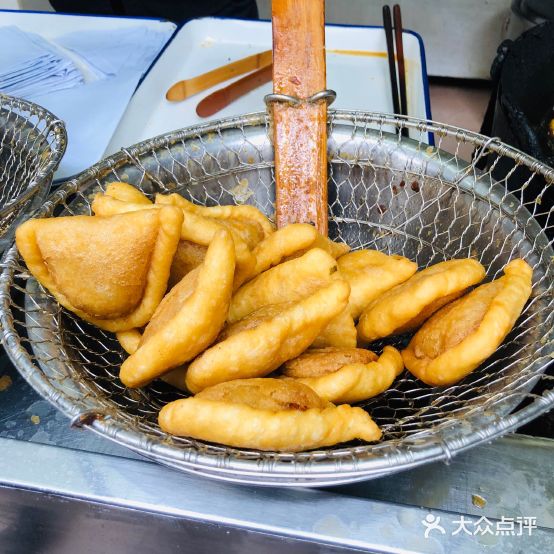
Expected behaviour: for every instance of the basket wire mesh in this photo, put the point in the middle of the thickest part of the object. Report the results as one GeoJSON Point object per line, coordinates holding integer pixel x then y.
{"type": "Point", "coordinates": [32, 144]}
{"type": "Point", "coordinates": [386, 192]}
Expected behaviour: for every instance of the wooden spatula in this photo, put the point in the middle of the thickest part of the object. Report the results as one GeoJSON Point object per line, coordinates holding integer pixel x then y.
{"type": "Point", "coordinates": [300, 131]}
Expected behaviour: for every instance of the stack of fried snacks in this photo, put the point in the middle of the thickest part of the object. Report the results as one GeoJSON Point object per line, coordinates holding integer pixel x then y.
{"type": "Point", "coordinates": [268, 329]}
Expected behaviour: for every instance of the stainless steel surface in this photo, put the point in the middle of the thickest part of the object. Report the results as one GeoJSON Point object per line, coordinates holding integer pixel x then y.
{"type": "Point", "coordinates": [32, 143]}
{"type": "Point", "coordinates": [322, 517]}
{"type": "Point", "coordinates": [400, 196]}
{"type": "Point", "coordinates": [79, 507]}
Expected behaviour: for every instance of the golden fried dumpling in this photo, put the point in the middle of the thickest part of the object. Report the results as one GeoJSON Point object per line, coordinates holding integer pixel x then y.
{"type": "Point", "coordinates": [462, 335]}
{"type": "Point", "coordinates": [291, 281]}
{"type": "Point", "coordinates": [188, 256]}
{"type": "Point", "coordinates": [346, 375]}
{"type": "Point", "coordinates": [370, 273]}
{"type": "Point", "coordinates": [405, 306]}
{"type": "Point", "coordinates": [244, 212]}
{"type": "Point", "coordinates": [126, 193]}
{"type": "Point", "coordinates": [266, 414]}
{"type": "Point", "coordinates": [129, 340]}
{"type": "Point", "coordinates": [260, 343]}
{"type": "Point", "coordinates": [278, 246]}
{"type": "Point", "coordinates": [195, 229]}
{"type": "Point", "coordinates": [334, 249]}
{"type": "Point", "coordinates": [188, 319]}
{"type": "Point", "coordinates": [285, 282]}
{"type": "Point", "coordinates": [111, 271]}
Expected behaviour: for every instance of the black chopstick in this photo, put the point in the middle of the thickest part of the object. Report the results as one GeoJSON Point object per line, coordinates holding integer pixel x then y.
{"type": "Point", "coordinates": [387, 24]}
{"type": "Point", "coordinates": [400, 61]}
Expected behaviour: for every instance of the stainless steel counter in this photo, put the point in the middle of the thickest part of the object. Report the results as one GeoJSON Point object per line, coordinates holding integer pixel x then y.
{"type": "Point", "coordinates": [66, 490]}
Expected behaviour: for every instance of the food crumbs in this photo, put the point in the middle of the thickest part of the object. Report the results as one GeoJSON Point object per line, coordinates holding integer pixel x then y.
{"type": "Point", "coordinates": [415, 186]}
{"type": "Point", "coordinates": [5, 382]}
{"type": "Point", "coordinates": [402, 184]}
{"type": "Point", "coordinates": [241, 193]}
{"type": "Point", "coordinates": [478, 500]}
{"type": "Point", "coordinates": [429, 150]}
{"type": "Point", "coordinates": [35, 419]}
{"type": "Point", "coordinates": [210, 137]}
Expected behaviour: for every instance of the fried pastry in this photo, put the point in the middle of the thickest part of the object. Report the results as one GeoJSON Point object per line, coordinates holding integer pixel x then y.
{"type": "Point", "coordinates": [260, 343]}
{"type": "Point", "coordinates": [126, 193]}
{"type": "Point", "coordinates": [242, 213]}
{"type": "Point", "coordinates": [334, 249]}
{"type": "Point", "coordinates": [188, 256]}
{"type": "Point", "coordinates": [266, 414]}
{"type": "Point", "coordinates": [463, 334]}
{"type": "Point", "coordinates": [111, 271]}
{"type": "Point", "coordinates": [278, 246]}
{"type": "Point", "coordinates": [370, 273]}
{"type": "Point", "coordinates": [291, 281]}
{"type": "Point", "coordinates": [196, 229]}
{"type": "Point", "coordinates": [188, 319]}
{"type": "Point", "coordinates": [129, 340]}
{"type": "Point", "coordinates": [401, 308]}
{"type": "Point", "coordinates": [347, 375]}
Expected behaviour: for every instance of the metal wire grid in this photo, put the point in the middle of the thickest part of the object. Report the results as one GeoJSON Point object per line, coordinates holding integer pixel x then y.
{"type": "Point", "coordinates": [32, 143]}
{"type": "Point", "coordinates": [386, 192]}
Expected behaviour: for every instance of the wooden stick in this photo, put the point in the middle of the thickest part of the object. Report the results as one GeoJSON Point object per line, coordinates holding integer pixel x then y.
{"type": "Point", "coordinates": [300, 132]}
{"type": "Point", "coordinates": [221, 98]}
{"type": "Point", "coordinates": [183, 89]}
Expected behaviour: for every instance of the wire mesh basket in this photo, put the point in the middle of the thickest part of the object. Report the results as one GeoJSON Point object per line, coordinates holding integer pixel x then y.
{"type": "Point", "coordinates": [32, 143]}
{"type": "Point", "coordinates": [386, 192]}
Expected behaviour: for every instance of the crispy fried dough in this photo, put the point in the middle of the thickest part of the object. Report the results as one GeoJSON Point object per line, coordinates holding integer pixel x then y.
{"type": "Point", "coordinates": [188, 319]}
{"type": "Point", "coordinates": [257, 351]}
{"type": "Point", "coordinates": [370, 273]}
{"type": "Point", "coordinates": [398, 307]}
{"type": "Point", "coordinates": [463, 334]}
{"type": "Point", "coordinates": [352, 382]}
{"type": "Point", "coordinates": [111, 271]}
{"type": "Point", "coordinates": [250, 422]}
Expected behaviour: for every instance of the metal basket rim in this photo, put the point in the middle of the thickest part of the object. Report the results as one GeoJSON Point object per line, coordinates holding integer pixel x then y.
{"type": "Point", "coordinates": [279, 472]}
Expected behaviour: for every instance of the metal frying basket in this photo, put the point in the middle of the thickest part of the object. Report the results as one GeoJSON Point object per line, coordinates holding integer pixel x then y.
{"type": "Point", "coordinates": [386, 192]}
{"type": "Point", "coordinates": [32, 144]}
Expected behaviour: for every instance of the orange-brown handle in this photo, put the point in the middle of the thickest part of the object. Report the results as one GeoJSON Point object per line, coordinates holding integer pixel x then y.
{"type": "Point", "coordinates": [300, 132]}
{"type": "Point", "coordinates": [221, 98]}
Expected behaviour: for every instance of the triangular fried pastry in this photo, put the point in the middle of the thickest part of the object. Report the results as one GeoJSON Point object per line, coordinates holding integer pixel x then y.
{"type": "Point", "coordinates": [346, 376]}
{"type": "Point", "coordinates": [266, 414]}
{"type": "Point", "coordinates": [243, 212]}
{"type": "Point", "coordinates": [188, 319]}
{"type": "Point", "coordinates": [404, 307]}
{"type": "Point", "coordinates": [260, 343]}
{"type": "Point", "coordinates": [126, 193]}
{"type": "Point", "coordinates": [111, 271]}
{"type": "Point", "coordinates": [195, 229]}
{"type": "Point", "coordinates": [291, 281]}
{"type": "Point", "coordinates": [370, 273]}
{"type": "Point", "coordinates": [462, 335]}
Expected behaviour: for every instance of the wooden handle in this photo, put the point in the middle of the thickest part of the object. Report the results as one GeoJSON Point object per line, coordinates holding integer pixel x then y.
{"type": "Point", "coordinates": [183, 89]}
{"type": "Point", "coordinates": [221, 98]}
{"type": "Point", "coordinates": [300, 132]}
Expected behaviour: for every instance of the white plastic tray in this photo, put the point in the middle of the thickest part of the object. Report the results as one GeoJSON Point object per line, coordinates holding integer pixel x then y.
{"type": "Point", "coordinates": [361, 81]}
